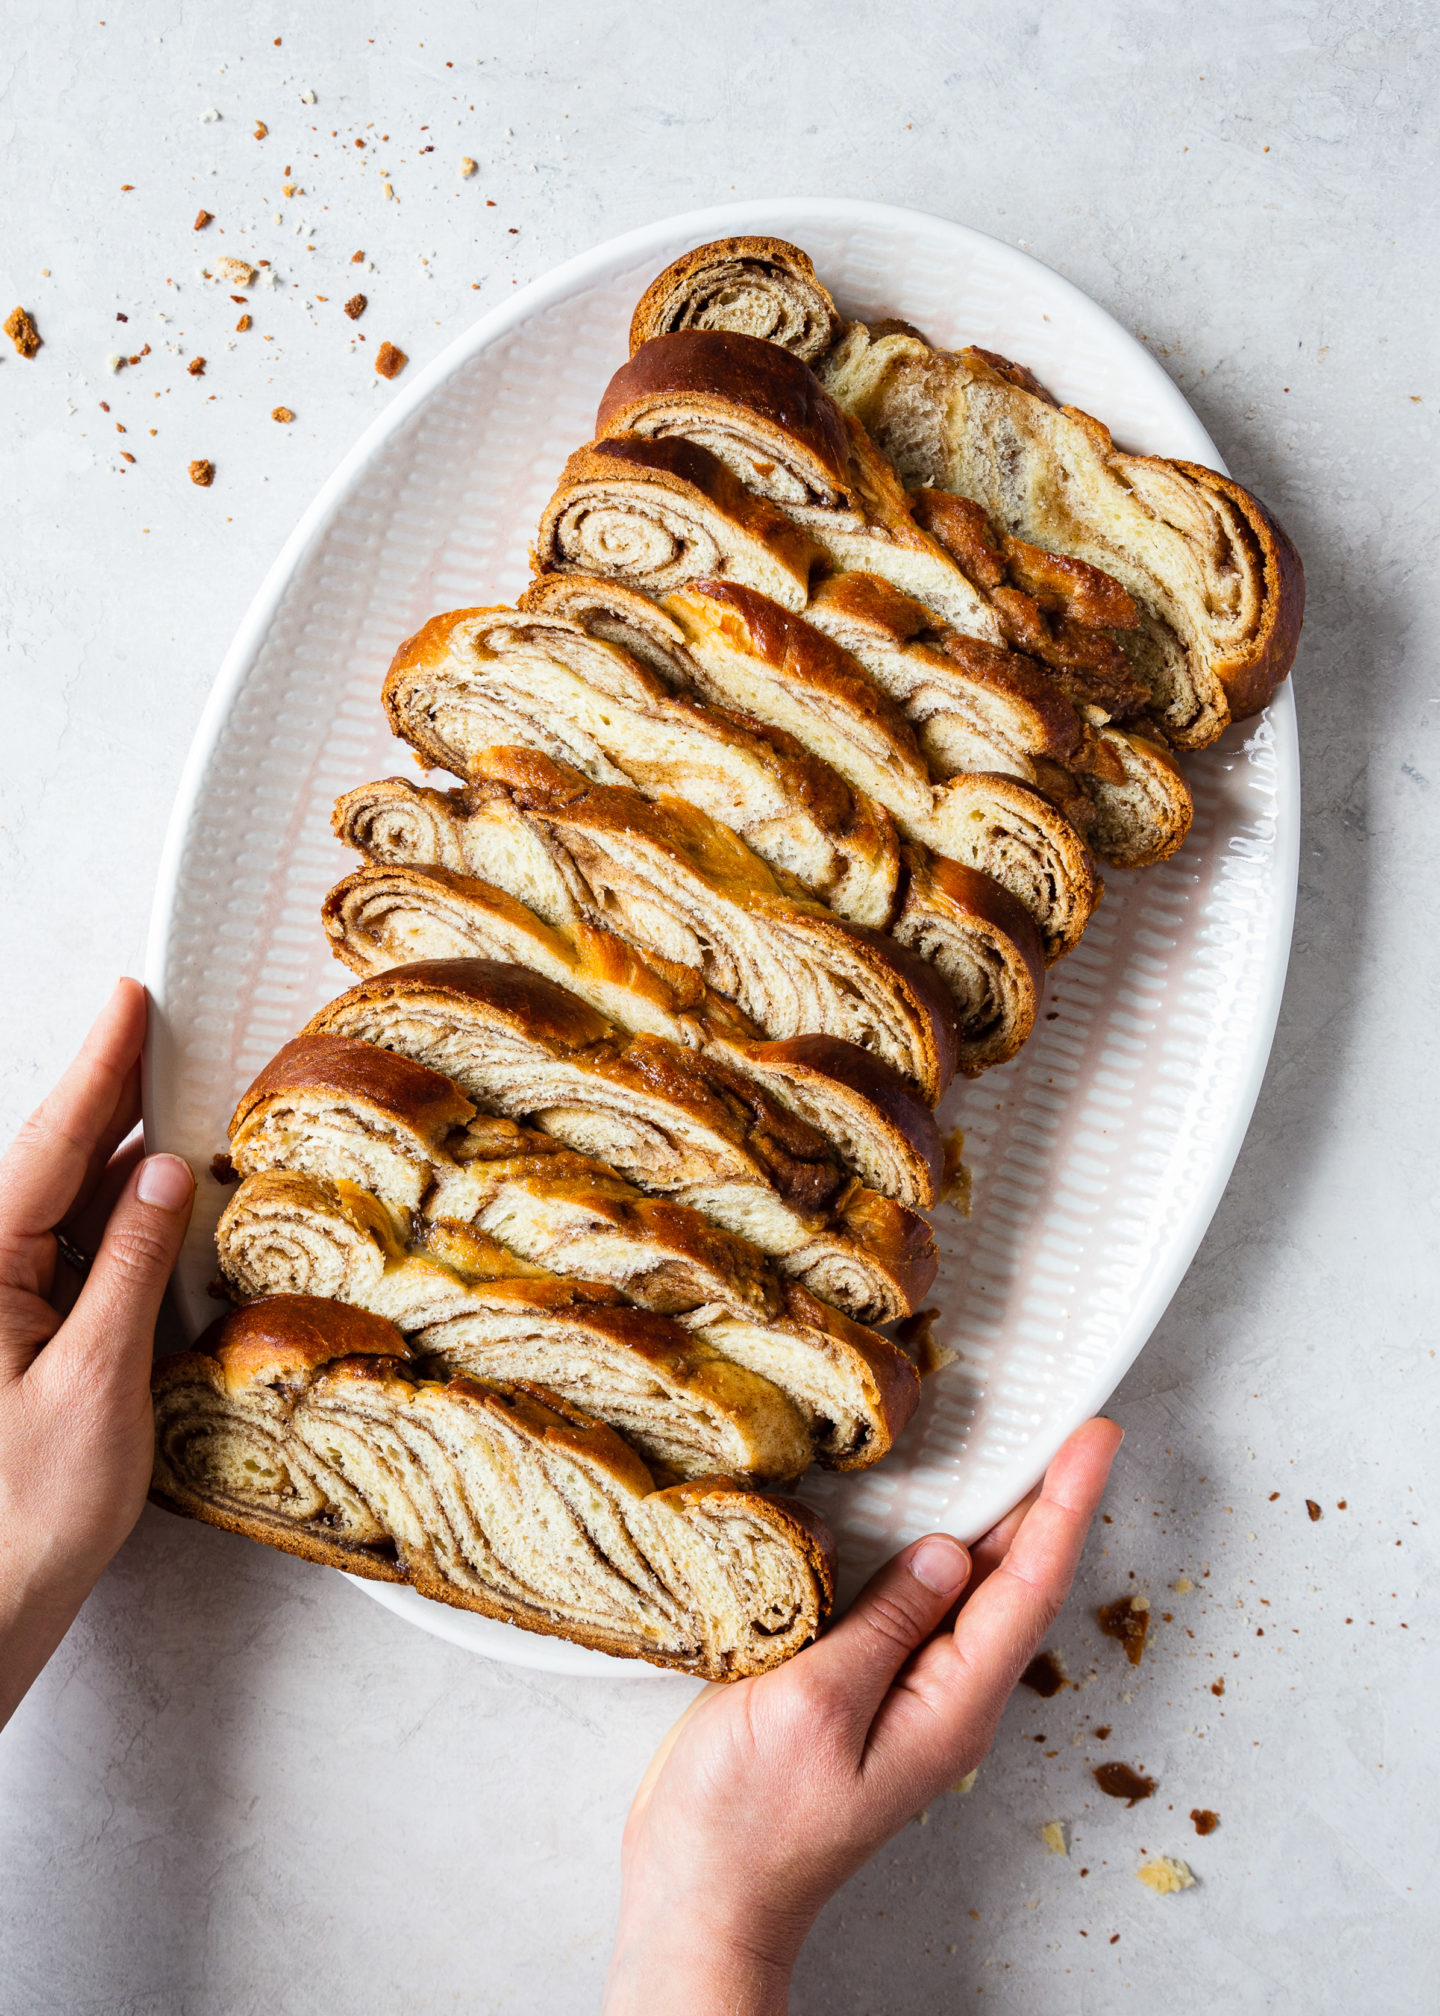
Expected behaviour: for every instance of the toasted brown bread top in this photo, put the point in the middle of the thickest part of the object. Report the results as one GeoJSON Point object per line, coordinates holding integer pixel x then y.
{"type": "Point", "coordinates": [432, 1105]}
{"type": "Point", "coordinates": [680, 297]}
{"type": "Point", "coordinates": [714, 369]}
{"type": "Point", "coordinates": [514, 995]}
{"type": "Point", "coordinates": [295, 1334]}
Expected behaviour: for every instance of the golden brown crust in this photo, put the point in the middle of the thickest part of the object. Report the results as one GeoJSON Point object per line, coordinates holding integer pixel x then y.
{"type": "Point", "coordinates": [732, 281]}
{"type": "Point", "coordinates": [1250, 679]}
{"type": "Point", "coordinates": [425, 1102]}
{"type": "Point", "coordinates": [283, 1334]}
{"type": "Point", "coordinates": [745, 531]}
{"type": "Point", "coordinates": [709, 373]}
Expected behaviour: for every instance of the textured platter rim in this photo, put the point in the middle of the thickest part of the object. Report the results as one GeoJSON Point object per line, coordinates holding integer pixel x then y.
{"type": "Point", "coordinates": [789, 215]}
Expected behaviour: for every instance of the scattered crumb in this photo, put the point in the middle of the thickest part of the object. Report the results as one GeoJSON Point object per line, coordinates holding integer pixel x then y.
{"type": "Point", "coordinates": [390, 196]}
{"type": "Point", "coordinates": [307, 97]}
{"type": "Point", "coordinates": [1182, 1585]}
{"type": "Point", "coordinates": [1119, 1781]}
{"type": "Point", "coordinates": [196, 367]}
{"type": "Point", "coordinates": [355, 307]}
{"type": "Point", "coordinates": [203, 475]}
{"type": "Point", "coordinates": [113, 363]}
{"type": "Point", "coordinates": [1045, 1674]}
{"type": "Point", "coordinates": [235, 272]}
{"type": "Point", "coordinates": [20, 328]}
{"type": "Point", "coordinates": [203, 218]}
{"type": "Point", "coordinates": [389, 361]}
{"type": "Point", "coordinates": [221, 1167]}
{"type": "Point", "coordinates": [1218, 1686]}
{"type": "Point", "coordinates": [283, 414]}
{"type": "Point", "coordinates": [467, 166]}
{"type": "Point", "coordinates": [1165, 1875]}
{"type": "Point", "coordinates": [261, 129]}
{"type": "Point", "coordinates": [1310, 1506]}
{"type": "Point", "coordinates": [967, 1783]}
{"type": "Point", "coordinates": [243, 323]}
{"type": "Point", "coordinates": [357, 258]}
{"type": "Point", "coordinates": [1128, 1620]}
{"type": "Point", "coordinates": [126, 456]}
{"type": "Point", "coordinates": [955, 1184]}
{"type": "Point", "coordinates": [1205, 1821]}
{"type": "Point", "coordinates": [1053, 1835]}
{"type": "Point", "coordinates": [209, 116]}
{"type": "Point", "coordinates": [916, 1335]}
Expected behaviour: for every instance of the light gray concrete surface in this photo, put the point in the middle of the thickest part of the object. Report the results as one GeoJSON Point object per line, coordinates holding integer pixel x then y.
{"type": "Point", "coordinates": [243, 1788]}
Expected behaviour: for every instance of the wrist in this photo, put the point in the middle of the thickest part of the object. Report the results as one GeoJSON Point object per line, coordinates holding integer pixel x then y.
{"type": "Point", "coordinates": [677, 1961]}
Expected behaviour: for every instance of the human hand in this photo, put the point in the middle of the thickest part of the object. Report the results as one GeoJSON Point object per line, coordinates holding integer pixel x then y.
{"type": "Point", "coordinates": [76, 1430]}
{"type": "Point", "coordinates": [770, 1793]}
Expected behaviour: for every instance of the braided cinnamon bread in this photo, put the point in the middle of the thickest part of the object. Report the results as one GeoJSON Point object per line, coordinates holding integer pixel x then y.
{"type": "Point", "coordinates": [749, 653]}
{"type": "Point", "coordinates": [662, 512]}
{"type": "Point", "coordinates": [674, 1397]}
{"type": "Point", "coordinates": [850, 1388]}
{"type": "Point", "coordinates": [304, 1424]}
{"type": "Point", "coordinates": [758, 285]}
{"type": "Point", "coordinates": [763, 414]}
{"type": "Point", "coordinates": [477, 678]}
{"type": "Point", "coordinates": [1219, 587]}
{"type": "Point", "coordinates": [678, 886]}
{"type": "Point", "coordinates": [675, 1125]}
{"type": "Point", "coordinates": [976, 709]}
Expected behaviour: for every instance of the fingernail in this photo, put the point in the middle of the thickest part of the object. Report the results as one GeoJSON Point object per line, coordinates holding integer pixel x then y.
{"type": "Point", "coordinates": [166, 1182]}
{"type": "Point", "coordinates": [941, 1564]}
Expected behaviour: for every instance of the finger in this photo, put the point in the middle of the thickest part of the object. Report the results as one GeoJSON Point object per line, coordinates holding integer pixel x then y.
{"type": "Point", "coordinates": [896, 1610]}
{"type": "Point", "coordinates": [85, 1226]}
{"type": "Point", "coordinates": [44, 1171]}
{"type": "Point", "coordinates": [952, 1694]}
{"type": "Point", "coordinates": [992, 1547]}
{"type": "Point", "coordinates": [105, 1345]}
{"type": "Point", "coordinates": [122, 1121]}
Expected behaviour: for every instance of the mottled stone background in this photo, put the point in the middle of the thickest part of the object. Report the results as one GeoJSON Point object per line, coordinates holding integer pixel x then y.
{"type": "Point", "coordinates": [243, 1788]}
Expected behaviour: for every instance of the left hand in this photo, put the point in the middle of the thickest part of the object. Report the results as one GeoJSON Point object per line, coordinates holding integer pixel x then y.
{"type": "Point", "coordinates": [76, 1429]}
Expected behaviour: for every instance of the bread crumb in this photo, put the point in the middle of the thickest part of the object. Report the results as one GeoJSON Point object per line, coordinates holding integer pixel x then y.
{"type": "Point", "coordinates": [390, 196]}
{"type": "Point", "coordinates": [355, 307]}
{"type": "Point", "coordinates": [209, 116]}
{"type": "Point", "coordinates": [1165, 1875]}
{"type": "Point", "coordinates": [114, 363]}
{"type": "Point", "coordinates": [916, 1335]}
{"type": "Point", "coordinates": [356, 258]}
{"type": "Point", "coordinates": [291, 189]}
{"type": "Point", "coordinates": [307, 97]}
{"type": "Point", "coordinates": [235, 272]}
{"type": "Point", "coordinates": [243, 324]}
{"type": "Point", "coordinates": [955, 1180]}
{"type": "Point", "coordinates": [1310, 1506]}
{"type": "Point", "coordinates": [126, 456]}
{"type": "Point", "coordinates": [389, 361]}
{"type": "Point", "coordinates": [467, 166]}
{"type": "Point", "coordinates": [203, 218]}
{"type": "Point", "coordinates": [196, 367]}
{"type": "Point", "coordinates": [1128, 1619]}
{"type": "Point", "coordinates": [1053, 1835]}
{"type": "Point", "coordinates": [967, 1783]}
{"type": "Point", "coordinates": [283, 414]}
{"type": "Point", "coordinates": [1182, 1585]}
{"type": "Point", "coordinates": [261, 129]}
{"type": "Point", "coordinates": [202, 474]}
{"type": "Point", "coordinates": [20, 328]}
{"type": "Point", "coordinates": [1205, 1819]}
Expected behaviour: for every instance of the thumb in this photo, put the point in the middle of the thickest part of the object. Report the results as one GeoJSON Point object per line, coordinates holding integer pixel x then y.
{"type": "Point", "coordinates": [895, 1612]}
{"type": "Point", "coordinates": [117, 1307]}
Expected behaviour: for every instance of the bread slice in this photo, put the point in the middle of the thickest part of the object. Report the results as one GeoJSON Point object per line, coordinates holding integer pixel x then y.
{"type": "Point", "coordinates": [476, 678]}
{"type": "Point", "coordinates": [758, 285]}
{"type": "Point", "coordinates": [850, 1388]}
{"type": "Point", "coordinates": [659, 512]}
{"type": "Point", "coordinates": [672, 1123]}
{"type": "Point", "coordinates": [973, 708]}
{"type": "Point", "coordinates": [681, 888]}
{"type": "Point", "coordinates": [304, 1424]}
{"type": "Point", "coordinates": [763, 414]}
{"type": "Point", "coordinates": [1219, 587]}
{"type": "Point", "coordinates": [751, 654]}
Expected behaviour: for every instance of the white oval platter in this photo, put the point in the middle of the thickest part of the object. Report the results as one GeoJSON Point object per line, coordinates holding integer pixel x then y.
{"type": "Point", "coordinates": [1099, 1155]}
